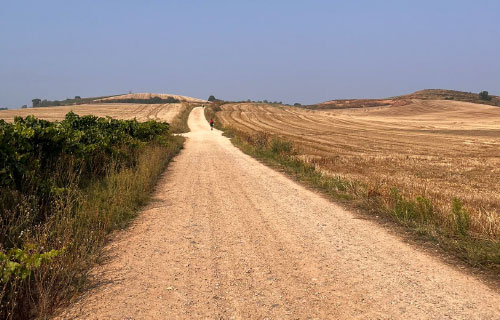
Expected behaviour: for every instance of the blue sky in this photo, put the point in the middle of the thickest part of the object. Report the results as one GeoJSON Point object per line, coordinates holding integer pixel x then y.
{"type": "Point", "coordinates": [290, 51]}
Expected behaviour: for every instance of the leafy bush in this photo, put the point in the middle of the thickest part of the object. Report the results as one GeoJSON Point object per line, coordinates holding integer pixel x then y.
{"type": "Point", "coordinates": [61, 192]}
{"type": "Point", "coordinates": [33, 150]}
{"type": "Point", "coordinates": [19, 263]}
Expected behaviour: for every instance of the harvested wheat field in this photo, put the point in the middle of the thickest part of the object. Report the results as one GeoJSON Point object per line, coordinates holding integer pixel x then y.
{"type": "Point", "coordinates": [142, 112]}
{"type": "Point", "coordinates": [152, 95]}
{"type": "Point", "coordinates": [432, 148]}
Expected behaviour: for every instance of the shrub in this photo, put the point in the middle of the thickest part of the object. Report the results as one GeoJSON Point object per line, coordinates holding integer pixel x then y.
{"type": "Point", "coordinates": [33, 150]}
{"type": "Point", "coordinates": [281, 147]}
{"type": "Point", "coordinates": [484, 95]}
{"type": "Point", "coordinates": [63, 186]}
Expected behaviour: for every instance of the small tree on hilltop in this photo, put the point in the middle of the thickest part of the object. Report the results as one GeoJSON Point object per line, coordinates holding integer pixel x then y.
{"type": "Point", "coordinates": [211, 98]}
{"type": "Point", "coordinates": [484, 95]}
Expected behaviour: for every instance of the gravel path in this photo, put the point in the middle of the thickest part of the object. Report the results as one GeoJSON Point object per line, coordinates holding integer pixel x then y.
{"type": "Point", "coordinates": [226, 237]}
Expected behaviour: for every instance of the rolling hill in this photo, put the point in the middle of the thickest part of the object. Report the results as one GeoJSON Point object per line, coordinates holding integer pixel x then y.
{"type": "Point", "coordinates": [427, 94]}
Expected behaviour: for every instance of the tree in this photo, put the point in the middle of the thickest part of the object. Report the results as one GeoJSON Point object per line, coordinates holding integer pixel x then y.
{"type": "Point", "coordinates": [156, 99]}
{"type": "Point", "coordinates": [78, 98]}
{"type": "Point", "coordinates": [484, 95]}
{"type": "Point", "coordinates": [296, 104]}
{"type": "Point", "coordinates": [24, 106]}
{"type": "Point", "coordinates": [211, 98]}
{"type": "Point", "coordinates": [36, 102]}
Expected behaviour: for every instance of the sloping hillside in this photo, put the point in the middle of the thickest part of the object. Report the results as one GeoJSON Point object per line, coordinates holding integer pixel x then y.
{"type": "Point", "coordinates": [442, 94]}
{"type": "Point", "coordinates": [427, 94]}
{"type": "Point", "coordinates": [146, 96]}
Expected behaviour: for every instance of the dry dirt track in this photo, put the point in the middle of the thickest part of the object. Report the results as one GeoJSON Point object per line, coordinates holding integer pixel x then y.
{"type": "Point", "coordinates": [228, 238]}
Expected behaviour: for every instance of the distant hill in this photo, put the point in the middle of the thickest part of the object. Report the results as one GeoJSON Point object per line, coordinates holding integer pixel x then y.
{"type": "Point", "coordinates": [66, 102]}
{"type": "Point", "coordinates": [427, 94]}
{"type": "Point", "coordinates": [149, 96]}
{"type": "Point", "coordinates": [442, 94]}
{"type": "Point", "coordinates": [121, 98]}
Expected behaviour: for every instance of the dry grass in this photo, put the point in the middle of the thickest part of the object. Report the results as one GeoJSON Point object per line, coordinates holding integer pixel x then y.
{"type": "Point", "coordinates": [179, 122]}
{"type": "Point", "coordinates": [436, 149]}
{"type": "Point", "coordinates": [80, 223]}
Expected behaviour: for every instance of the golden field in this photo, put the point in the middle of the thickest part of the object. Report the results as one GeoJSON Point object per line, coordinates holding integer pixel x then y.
{"type": "Point", "coordinates": [437, 149]}
{"type": "Point", "coordinates": [142, 112]}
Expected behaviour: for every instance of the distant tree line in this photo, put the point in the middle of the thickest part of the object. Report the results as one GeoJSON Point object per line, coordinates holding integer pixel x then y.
{"type": "Point", "coordinates": [214, 99]}
{"type": "Point", "coordinates": [152, 100]}
{"type": "Point", "coordinates": [4, 108]}
{"type": "Point", "coordinates": [37, 103]}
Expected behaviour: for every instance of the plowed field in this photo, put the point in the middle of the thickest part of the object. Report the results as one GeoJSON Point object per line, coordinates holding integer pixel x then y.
{"type": "Point", "coordinates": [437, 149]}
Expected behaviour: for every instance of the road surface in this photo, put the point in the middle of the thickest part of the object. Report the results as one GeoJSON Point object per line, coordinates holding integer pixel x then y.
{"type": "Point", "coordinates": [226, 237]}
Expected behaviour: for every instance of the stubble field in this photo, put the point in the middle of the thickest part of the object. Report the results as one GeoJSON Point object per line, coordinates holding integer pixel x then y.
{"type": "Point", "coordinates": [436, 149]}
{"type": "Point", "coordinates": [125, 111]}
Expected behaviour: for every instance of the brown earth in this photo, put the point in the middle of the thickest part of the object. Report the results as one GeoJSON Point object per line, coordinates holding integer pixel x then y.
{"type": "Point", "coordinates": [226, 237]}
{"type": "Point", "coordinates": [143, 112]}
{"type": "Point", "coordinates": [433, 148]}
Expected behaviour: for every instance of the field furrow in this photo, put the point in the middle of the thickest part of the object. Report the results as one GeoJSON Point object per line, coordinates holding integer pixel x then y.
{"type": "Point", "coordinates": [433, 148]}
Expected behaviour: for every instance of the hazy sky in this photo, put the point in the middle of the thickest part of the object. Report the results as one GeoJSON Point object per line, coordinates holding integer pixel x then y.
{"type": "Point", "coordinates": [290, 51]}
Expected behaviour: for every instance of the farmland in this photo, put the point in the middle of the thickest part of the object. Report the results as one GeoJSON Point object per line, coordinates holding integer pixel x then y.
{"type": "Point", "coordinates": [436, 149]}
{"type": "Point", "coordinates": [147, 96]}
{"type": "Point", "coordinates": [126, 111]}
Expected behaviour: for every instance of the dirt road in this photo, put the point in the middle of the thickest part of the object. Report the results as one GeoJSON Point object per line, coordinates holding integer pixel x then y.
{"type": "Point", "coordinates": [228, 238]}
